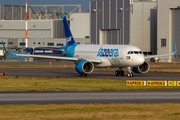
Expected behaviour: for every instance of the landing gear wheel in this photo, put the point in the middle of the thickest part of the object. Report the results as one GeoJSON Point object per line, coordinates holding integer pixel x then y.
{"type": "Point", "coordinates": [121, 73]}
{"type": "Point", "coordinates": [117, 72]}
{"type": "Point", "coordinates": [82, 75]}
{"type": "Point", "coordinates": [130, 74]}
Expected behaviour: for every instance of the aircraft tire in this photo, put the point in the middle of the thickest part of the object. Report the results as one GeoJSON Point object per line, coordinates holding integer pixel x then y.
{"type": "Point", "coordinates": [121, 73]}
{"type": "Point", "coordinates": [130, 74]}
{"type": "Point", "coordinates": [80, 75]}
{"type": "Point", "coordinates": [117, 72]}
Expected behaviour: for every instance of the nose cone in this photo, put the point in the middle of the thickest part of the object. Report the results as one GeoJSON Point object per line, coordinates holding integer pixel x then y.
{"type": "Point", "coordinates": [140, 60]}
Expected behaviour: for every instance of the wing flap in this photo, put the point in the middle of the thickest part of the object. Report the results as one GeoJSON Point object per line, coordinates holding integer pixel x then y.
{"type": "Point", "coordinates": [50, 57]}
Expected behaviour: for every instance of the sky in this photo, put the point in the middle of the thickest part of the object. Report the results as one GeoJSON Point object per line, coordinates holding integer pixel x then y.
{"type": "Point", "coordinates": [84, 3]}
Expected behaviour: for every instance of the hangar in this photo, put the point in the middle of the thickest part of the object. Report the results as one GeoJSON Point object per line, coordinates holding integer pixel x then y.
{"type": "Point", "coordinates": [45, 27]}
{"type": "Point", "coordinates": [151, 25]}
{"type": "Point", "coordinates": [168, 28]}
{"type": "Point", "coordinates": [124, 22]}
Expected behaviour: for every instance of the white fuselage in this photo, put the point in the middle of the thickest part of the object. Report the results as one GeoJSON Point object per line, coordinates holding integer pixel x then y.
{"type": "Point", "coordinates": [111, 55]}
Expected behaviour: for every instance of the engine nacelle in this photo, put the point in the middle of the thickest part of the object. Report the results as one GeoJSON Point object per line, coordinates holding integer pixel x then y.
{"type": "Point", "coordinates": [84, 67]}
{"type": "Point", "coordinates": [144, 68]}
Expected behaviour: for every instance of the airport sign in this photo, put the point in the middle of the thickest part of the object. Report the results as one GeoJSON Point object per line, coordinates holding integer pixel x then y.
{"type": "Point", "coordinates": [156, 83]}
{"type": "Point", "coordinates": [171, 83]}
{"type": "Point", "coordinates": [178, 83]}
{"type": "Point", "coordinates": [136, 83]}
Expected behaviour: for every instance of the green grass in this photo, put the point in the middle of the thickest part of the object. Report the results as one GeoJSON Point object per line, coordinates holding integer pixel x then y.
{"type": "Point", "coordinates": [67, 84]}
{"type": "Point", "coordinates": [167, 111]}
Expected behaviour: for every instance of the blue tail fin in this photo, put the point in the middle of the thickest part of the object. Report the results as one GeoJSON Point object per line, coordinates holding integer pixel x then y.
{"type": "Point", "coordinates": [4, 47]}
{"type": "Point", "coordinates": [68, 35]}
{"type": "Point", "coordinates": [174, 46]}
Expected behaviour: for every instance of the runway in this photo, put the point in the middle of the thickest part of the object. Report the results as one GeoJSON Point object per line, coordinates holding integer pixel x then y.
{"type": "Point", "coordinates": [71, 73]}
{"type": "Point", "coordinates": [90, 97]}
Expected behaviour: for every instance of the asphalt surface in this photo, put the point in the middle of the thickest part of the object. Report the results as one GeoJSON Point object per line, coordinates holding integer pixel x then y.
{"type": "Point", "coordinates": [90, 97]}
{"type": "Point", "coordinates": [71, 73]}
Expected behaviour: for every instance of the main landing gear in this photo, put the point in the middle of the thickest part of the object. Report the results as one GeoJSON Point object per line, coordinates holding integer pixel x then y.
{"type": "Point", "coordinates": [119, 72]}
{"type": "Point", "coordinates": [81, 75]}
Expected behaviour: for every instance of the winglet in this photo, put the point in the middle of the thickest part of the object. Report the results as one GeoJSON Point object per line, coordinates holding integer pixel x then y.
{"type": "Point", "coordinates": [4, 47]}
{"type": "Point", "coordinates": [174, 46]}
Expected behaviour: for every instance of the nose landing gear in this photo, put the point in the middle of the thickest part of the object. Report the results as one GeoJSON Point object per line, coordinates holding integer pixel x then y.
{"type": "Point", "coordinates": [130, 74]}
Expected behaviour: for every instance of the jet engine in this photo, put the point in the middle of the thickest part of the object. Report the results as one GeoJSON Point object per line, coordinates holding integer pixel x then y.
{"type": "Point", "coordinates": [144, 68]}
{"type": "Point", "coordinates": [84, 67]}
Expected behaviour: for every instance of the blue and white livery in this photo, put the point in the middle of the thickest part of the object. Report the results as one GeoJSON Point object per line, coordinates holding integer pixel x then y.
{"type": "Point", "coordinates": [87, 57]}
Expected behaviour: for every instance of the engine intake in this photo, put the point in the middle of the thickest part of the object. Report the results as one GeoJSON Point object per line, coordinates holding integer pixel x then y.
{"type": "Point", "coordinates": [144, 68]}
{"type": "Point", "coordinates": [84, 67]}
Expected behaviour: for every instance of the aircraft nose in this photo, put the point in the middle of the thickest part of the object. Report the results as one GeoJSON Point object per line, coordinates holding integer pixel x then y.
{"type": "Point", "coordinates": [140, 60]}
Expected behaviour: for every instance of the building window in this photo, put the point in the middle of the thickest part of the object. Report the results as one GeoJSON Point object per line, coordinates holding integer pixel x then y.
{"type": "Point", "coordinates": [39, 42]}
{"type": "Point", "coordinates": [10, 43]}
{"type": "Point", "coordinates": [86, 36]}
{"type": "Point", "coordinates": [163, 42]}
{"type": "Point", "coordinates": [44, 43]}
{"type": "Point", "coordinates": [60, 44]}
{"type": "Point", "coordinates": [50, 44]}
{"type": "Point", "coordinates": [34, 42]}
{"type": "Point", "coordinates": [3, 42]}
{"type": "Point", "coordinates": [22, 44]}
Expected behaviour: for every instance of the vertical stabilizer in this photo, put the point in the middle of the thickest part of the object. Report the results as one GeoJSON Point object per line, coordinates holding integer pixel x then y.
{"type": "Point", "coordinates": [68, 35]}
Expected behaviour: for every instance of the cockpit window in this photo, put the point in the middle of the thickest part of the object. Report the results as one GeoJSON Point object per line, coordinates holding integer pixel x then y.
{"type": "Point", "coordinates": [134, 52]}
{"type": "Point", "coordinates": [140, 52]}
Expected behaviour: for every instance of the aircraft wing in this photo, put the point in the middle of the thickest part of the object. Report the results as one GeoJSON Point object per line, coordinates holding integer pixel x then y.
{"type": "Point", "coordinates": [51, 57]}
{"type": "Point", "coordinates": [61, 58]}
{"type": "Point", "coordinates": [162, 55]}
{"type": "Point", "coordinates": [52, 49]}
{"type": "Point", "coordinates": [55, 57]}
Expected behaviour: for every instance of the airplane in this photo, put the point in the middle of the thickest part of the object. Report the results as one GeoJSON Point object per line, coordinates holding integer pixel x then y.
{"type": "Point", "coordinates": [87, 57]}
